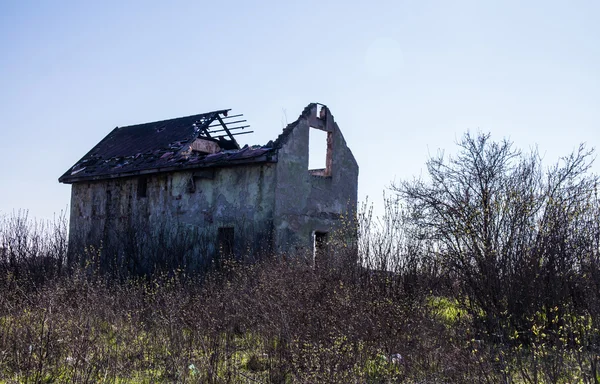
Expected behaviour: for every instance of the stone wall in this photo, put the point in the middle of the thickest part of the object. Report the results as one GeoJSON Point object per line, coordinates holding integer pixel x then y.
{"type": "Point", "coordinates": [239, 197]}
{"type": "Point", "coordinates": [308, 201]}
{"type": "Point", "coordinates": [270, 206]}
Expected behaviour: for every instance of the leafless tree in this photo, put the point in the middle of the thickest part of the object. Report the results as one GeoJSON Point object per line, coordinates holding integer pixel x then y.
{"type": "Point", "coordinates": [513, 234]}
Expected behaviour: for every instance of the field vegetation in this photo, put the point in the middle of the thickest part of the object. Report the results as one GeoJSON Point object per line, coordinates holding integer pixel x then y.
{"type": "Point", "coordinates": [485, 271]}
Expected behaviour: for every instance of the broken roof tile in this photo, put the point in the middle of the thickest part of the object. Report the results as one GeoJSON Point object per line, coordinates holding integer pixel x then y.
{"type": "Point", "coordinates": [160, 146]}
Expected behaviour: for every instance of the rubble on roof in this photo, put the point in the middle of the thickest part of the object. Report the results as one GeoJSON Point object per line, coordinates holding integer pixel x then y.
{"type": "Point", "coordinates": [168, 145]}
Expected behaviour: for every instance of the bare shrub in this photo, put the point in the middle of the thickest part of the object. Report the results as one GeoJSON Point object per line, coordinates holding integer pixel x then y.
{"type": "Point", "coordinates": [32, 249]}
{"type": "Point", "coordinates": [521, 243]}
{"type": "Point", "coordinates": [273, 321]}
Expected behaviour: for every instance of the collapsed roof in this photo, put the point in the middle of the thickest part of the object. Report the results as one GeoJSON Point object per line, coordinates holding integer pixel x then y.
{"type": "Point", "coordinates": [203, 140]}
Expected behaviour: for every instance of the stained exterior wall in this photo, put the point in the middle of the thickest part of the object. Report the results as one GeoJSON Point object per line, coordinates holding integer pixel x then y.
{"type": "Point", "coordinates": [276, 206]}
{"type": "Point", "coordinates": [305, 202]}
{"type": "Point", "coordinates": [241, 197]}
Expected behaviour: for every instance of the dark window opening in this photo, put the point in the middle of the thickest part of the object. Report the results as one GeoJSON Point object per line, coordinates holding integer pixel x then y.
{"type": "Point", "coordinates": [108, 205]}
{"type": "Point", "coordinates": [225, 240]}
{"type": "Point", "coordinates": [191, 185]}
{"type": "Point", "coordinates": [142, 187]}
{"type": "Point", "coordinates": [320, 247]}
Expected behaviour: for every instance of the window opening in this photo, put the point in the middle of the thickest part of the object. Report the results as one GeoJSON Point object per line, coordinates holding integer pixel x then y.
{"type": "Point", "coordinates": [225, 240]}
{"type": "Point", "coordinates": [320, 111]}
{"type": "Point", "coordinates": [318, 149]}
{"type": "Point", "coordinates": [191, 184]}
{"type": "Point", "coordinates": [142, 188]}
{"type": "Point", "coordinates": [108, 206]}
{"type": "Point", "coordinates": [319, 247]}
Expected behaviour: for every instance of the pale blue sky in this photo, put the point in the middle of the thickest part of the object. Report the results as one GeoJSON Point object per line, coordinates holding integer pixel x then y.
{"type": "Point", "coordinates": [402, 78]}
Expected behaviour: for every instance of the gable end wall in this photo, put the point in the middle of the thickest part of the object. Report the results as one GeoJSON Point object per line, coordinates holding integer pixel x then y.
{"type": "Point", "coordinates": [305, 203]}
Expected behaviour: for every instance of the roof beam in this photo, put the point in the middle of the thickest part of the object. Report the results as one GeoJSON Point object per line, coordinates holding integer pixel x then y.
{"type": "Point", "coordinates": [228, 132]}
{"type": "Point", "coordinates": [231, 129]}
{"type": "Point", "coordinates": [229, 122]}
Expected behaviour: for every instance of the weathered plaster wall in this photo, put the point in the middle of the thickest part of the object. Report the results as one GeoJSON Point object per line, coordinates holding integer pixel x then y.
{"type": "Point", "coordinates": [304, 202]}
{"type": "Point", "coordinates": [271, 206]}
{"type": "Point", "coordinates": [241, 197]}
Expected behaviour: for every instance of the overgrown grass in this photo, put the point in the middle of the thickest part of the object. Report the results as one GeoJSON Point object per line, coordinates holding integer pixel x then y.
{"type": "Point", "coordinates": [272, 322]}
{"type": "Point", "coordinates": [396, 316]}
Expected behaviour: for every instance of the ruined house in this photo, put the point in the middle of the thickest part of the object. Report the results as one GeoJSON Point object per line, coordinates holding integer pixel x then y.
{"type": "Point", "coordinates": [190, 172]}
